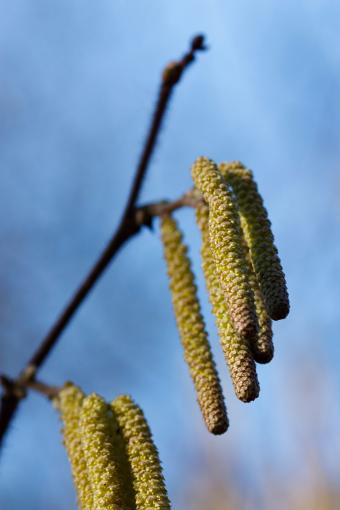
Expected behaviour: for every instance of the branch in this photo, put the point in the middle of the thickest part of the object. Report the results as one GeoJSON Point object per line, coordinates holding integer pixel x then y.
{"type": "Point", "coordinates": [145, 214]}
{"type": "Point", "coordinates": [12, 387]}
{"type": "Point", "coordinates": [171, 76]}
{"type": "Point", "coordinates": [128, 227]}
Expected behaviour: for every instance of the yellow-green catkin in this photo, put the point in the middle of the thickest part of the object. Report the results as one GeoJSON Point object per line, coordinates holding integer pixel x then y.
{"type": "Point", "coordinates": [260, 239]}
{"type": "Point", "coordinates": [262, 345]}
{"type": "Point", "coordinates": [148, 481]}
{"type": "Point", "coordinates": [236, 348]}
{"type": "Point", "coordinates": [191, 327]}
{"type": "Point", "coordinates": [102, 454]}
{"type": "Point", "coordinates": [227, 247]}
{"type": "Point", "coordinates": [69, 403]}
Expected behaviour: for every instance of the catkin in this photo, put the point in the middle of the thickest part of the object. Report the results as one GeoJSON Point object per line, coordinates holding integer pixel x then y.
{"type": "Point", "coordinates": [148, 482]}
{"type": "Point", "coordinates": [262, 345]}
{"type": "Point", "coordinates": [191, 327]}
{"type": "Point", "coordinates": [69, 402]}
{"type": "Point", "coordinates": [260, 239]}
{"type": "Point", "coordinates": [226, 245]}
{"type": "Point", "coordinates": [102, 454]}
{"type": "Point", "coordinates": [236, 348]}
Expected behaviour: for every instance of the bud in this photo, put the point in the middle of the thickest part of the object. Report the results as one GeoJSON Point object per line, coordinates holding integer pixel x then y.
{"type": "Point", "coordinates": [191, 327]}
{"type": "Point", "coordinates": [226, 246]}
{"type": "Point", "coordinates": [148, 482]}
{"type": "Point", "coordinates": [235, 347]}
{"type": "Point", "coordinates": [69, 402]}
{"type": "Point", "coordinates": [103, 454]}
{"type": "Point", "coordinates": [260, 239]}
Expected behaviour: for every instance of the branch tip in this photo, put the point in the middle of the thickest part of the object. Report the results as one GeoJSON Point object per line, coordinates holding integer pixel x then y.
{"type": "Point", "coordinates": [198, 43]}
{"type": "Point", "coordinates": [127, 228]}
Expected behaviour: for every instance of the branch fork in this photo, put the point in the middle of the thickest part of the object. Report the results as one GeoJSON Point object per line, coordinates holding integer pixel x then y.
{"type": "Point", "coordinates": [132, 220]}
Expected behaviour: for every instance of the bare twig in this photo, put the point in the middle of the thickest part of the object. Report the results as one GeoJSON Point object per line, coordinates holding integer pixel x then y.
{"type": "Point", "coordinates": [171, 76]}
{"type": "Point", "coordinates": [145, 213]}
{"type": "Point", "coordinates": [14, 388]}
{"type": "Point", "coordinates": [129, 225]}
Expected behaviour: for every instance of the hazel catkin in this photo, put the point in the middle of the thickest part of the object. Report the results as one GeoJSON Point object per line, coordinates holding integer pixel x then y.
{"type": "Point", "coordinates": [148, 482]}
{"type": "Point", "coordinates": [236, 348]}
{"type": "Point", "coordinates": [226, 246]}
{"type": "Point", "coordinates": [103, 457]}
{"type": "Point", "coordinates": [262, 345]}
{"type": "Point", "coordinates": [191, 327]}
{"type": "Point", "coordinates": [69, 402]}
{"type": "Point", "coordinates": [260, 239]}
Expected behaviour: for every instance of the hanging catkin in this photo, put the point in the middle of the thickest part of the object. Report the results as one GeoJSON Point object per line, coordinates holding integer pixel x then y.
{"type": "Point", "coordinates": [236, 348]}
{"type": "Point", "coordinates": [226, 245]}
{"type": "Point", "coordinates": [262, 345]}
{"type": "Point", "coordinates": [191, 327]}
{"type": "Point", "coordinates": [260, 239]}
{"type": "Point", "coordinates": [69, 402]}
{"type": "Point", "coordinates": [102, 454]}
{"type": "Point", "coordinates": [148, 482]}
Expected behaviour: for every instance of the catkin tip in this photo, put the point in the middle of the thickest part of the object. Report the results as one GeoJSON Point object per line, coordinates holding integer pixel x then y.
{"type": "Point", "coordinates": [264, 356]}
{"type": "Point", "coordinates": [279, 311]}
{"type": "Point", "coordinates": [248, 393]}
{"type": "Point", "coordinates": [219, 428]}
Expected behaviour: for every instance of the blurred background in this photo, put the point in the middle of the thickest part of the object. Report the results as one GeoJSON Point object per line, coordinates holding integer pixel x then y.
{"type": "Point", "coordinates": [78, 81]}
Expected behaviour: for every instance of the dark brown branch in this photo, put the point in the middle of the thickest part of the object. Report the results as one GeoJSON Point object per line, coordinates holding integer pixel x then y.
{"type": "Point", "coordinates": [171, 76]}
{"type": "Point", "coordinates": [19, 391]}
{"type": "Point", "coordinates": [145, 213]}
{"type": "Point", "coordinates": [127, 228]}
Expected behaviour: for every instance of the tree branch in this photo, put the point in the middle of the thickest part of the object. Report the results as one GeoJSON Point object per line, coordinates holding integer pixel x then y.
{"type": "Point", "coordinates": [12, 387]}
{"type": "Point", "coordinates": [130, 224]}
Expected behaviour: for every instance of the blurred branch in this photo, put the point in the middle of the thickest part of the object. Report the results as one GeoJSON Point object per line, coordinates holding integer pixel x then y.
{"type": "Point", "coordinates": [146, 213]}
{"type": "Point", "coordinates": [130, 224]}
{"type": "Point", "coordinates": [19, 391]}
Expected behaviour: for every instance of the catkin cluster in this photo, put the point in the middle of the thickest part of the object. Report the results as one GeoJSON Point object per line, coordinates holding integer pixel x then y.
{"type": "Point", "coordinates": [244, 279]}
{"type": "Point", "coordinates": [115, 464]}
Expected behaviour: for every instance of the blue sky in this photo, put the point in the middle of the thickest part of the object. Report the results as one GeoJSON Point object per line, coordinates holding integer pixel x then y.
{"type": "Point", "coordinates": [77, 86]}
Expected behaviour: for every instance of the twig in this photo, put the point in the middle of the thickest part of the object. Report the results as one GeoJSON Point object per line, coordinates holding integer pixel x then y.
{"type": "Point", "coordinates": [128, 227]}
{"type": "Point", "coordinates": [171, 76]}
{"type": "Point", "coordinates": [12, 387]}
{"type": "Point", "coordinates": [146, 213]}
